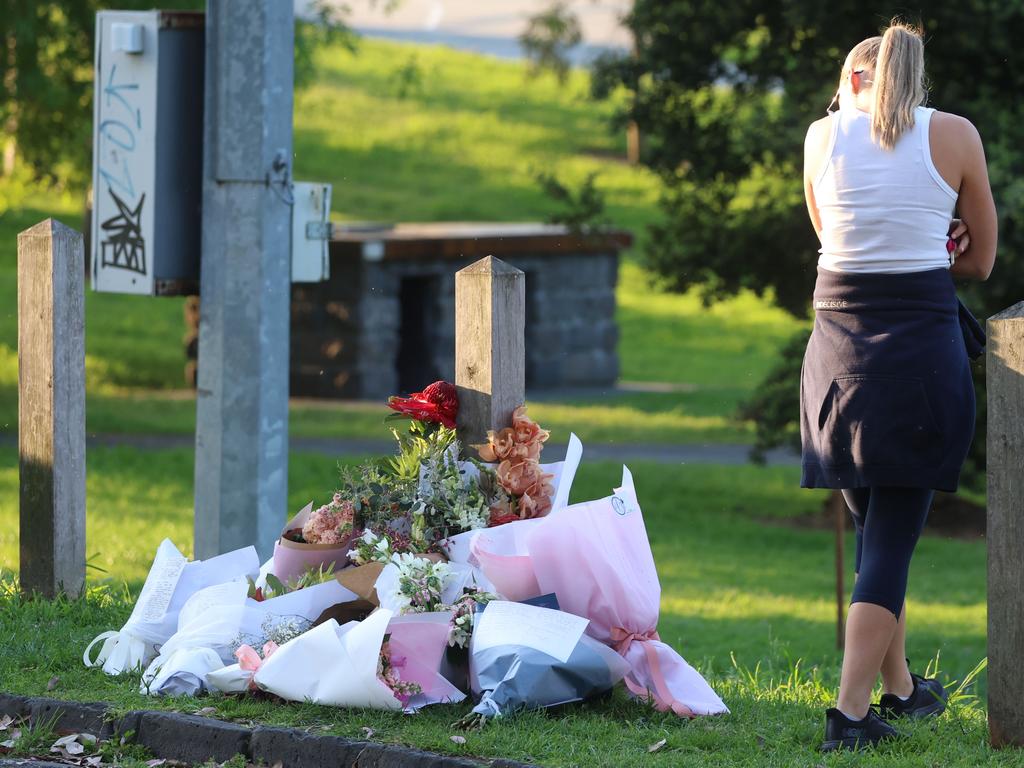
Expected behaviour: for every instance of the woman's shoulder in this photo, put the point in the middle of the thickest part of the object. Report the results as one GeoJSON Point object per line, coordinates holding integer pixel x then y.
{"type": "Point", "coordinates": [952, 126]}
{"type": "Point", "coordinates": [818, 133]}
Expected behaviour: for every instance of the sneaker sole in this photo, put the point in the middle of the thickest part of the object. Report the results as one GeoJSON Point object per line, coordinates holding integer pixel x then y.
{"type": "Point", "coordinates": [934, 709]}
{"type": "Point", "coordinates": [834, 745]}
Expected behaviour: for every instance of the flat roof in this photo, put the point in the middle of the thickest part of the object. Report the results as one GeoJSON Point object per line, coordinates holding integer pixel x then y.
{"type": "Point", "coordinates": [459, 239]}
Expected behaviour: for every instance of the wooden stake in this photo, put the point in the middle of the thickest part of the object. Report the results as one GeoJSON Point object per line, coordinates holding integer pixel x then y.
{"type": "Point", "coordinates": [490, 351]}
{"type": "Point", "coordinates": [838, 507]}
{"type": "Point", "coordinates": [51, 409]}
{"type": "Point", "coordinates": [1005, 526]}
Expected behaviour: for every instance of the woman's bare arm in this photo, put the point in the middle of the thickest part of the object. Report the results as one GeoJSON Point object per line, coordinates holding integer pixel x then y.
{"type": "Point", "coordinates": [815, 144]}
{"type": "Point", "coordinates": [956, 144]}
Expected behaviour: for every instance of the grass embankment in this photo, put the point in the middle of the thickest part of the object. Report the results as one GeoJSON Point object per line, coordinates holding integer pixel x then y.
{"type": "Point", "coordinates": [464, 144]}
{"type": "Point", "coordinates": [732, 588]}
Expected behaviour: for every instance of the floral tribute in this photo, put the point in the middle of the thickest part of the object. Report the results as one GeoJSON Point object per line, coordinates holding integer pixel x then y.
{"type": "Point", "coordinates": [373, 599]}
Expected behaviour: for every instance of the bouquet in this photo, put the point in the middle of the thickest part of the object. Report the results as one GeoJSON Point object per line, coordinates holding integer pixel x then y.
{"type": "Point", "coordinates": [337, 665]}
{"type": "Point", "coordinates": [221, 619]}
{"type": "Point", "coordinates": [596, 558]}
{"type": "Point", "coordinates": [315, 539]}
{"type": "Point", "coordinates": [172, 580]}
{"type": "Point", "coordinates": [526, 657]}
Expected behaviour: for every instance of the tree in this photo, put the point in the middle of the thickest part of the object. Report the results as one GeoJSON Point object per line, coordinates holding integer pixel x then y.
{"type": "Point", "coordinates": [46, 55]}
{"type": "Point", "coordinates": [723, 93]}
{"type": "Point", "coordinates": [548, 38]}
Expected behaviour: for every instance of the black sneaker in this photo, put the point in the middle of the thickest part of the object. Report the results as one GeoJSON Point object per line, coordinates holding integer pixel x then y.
{"type": "Point", "coordinates": [927, 700]}
{"type": "Point", "coordinates": [843, 733]}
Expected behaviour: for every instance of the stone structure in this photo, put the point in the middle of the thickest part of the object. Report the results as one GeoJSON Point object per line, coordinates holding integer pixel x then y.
{"type": "Point", "coordinates": [385, 321]}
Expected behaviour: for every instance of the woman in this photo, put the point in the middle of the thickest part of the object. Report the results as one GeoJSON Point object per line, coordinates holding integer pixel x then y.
{"type": "Point", "coordinates": [887, 400]}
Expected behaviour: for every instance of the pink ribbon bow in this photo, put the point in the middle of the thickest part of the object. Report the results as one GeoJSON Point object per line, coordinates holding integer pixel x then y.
{"type": "Point", "coordinates": [250, 661]}
{"type": "Point", "coordinates": [662, 696]}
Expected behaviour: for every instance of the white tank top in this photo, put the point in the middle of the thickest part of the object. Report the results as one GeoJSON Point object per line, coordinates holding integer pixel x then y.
{"type": "Point", "coordinates": [882, 210]}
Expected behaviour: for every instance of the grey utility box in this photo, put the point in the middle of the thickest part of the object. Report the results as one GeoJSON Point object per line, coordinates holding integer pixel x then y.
{"type": "Point", "coordinates": [147, 152]}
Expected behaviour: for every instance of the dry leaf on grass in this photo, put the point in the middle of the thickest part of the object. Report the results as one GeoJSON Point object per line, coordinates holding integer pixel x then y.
{"type": "Point", "coordinates": [155, 763]}
{"type": "Point", "coordinates": [459, 739]}
{"type": "Point", "coordinates": [6, 722]}
{"type": "Point", "coordinates": [368, 732]}
{"type": "Point", "coordinates": [657, 745]}
{"type": "Point", "coordinates": [53, 683]}
{"type": "Point", "coordinates": [69, 746]}
{"type": "Point", "coordinates": [207, 711]}
{"type": "Point", "coordinates": [94, 761]}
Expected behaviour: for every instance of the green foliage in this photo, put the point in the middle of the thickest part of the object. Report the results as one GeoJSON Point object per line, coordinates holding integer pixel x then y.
{"type": "Point", "coordinates": [775, 404]}
{"type": "Point", "coordinates": [417, 444]}
{"type": "Point", "coordinates": [548, 37]}
{"type": "Point", "coordinates": [377, 494]}
{"type": "Point", "coordinates": [327, 27]}
{"type": "Point", "coordinates": [723, 94]}
{"type": "Point", "coordinates": [583, 210]}
{"type": "Point", "coordinates": [46, 75]}
{"type": "Point", "coordinates": [407, 79]}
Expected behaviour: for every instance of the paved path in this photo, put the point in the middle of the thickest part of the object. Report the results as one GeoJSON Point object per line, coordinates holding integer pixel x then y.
{"type": "Point", "coordinates": [693, 453]}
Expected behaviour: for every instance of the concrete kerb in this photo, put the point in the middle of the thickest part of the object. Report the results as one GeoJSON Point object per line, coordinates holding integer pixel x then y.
{"type": "Point", "coordinates": [194, 739]}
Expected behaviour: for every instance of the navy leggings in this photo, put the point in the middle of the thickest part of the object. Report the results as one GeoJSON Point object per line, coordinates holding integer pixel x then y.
{"type": "Point", "coordinates": [888, 521]}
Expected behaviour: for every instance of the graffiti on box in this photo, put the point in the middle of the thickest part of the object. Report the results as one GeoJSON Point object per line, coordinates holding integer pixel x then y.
{"type": "Point", "coordinates": [123, 245]}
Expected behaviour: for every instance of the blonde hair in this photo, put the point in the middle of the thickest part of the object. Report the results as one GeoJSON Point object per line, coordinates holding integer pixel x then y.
{"type": "Point", "coordinates": [897, 57]}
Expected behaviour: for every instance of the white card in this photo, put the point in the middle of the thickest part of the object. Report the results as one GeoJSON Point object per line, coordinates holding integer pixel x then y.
{"type": "Point", "coordinates": [555, 633]}
{"type": "Point", "coordinates": [159, 588]}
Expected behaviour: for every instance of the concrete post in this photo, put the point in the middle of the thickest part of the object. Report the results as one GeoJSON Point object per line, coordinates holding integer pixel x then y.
{"type": "Point", "coordinates": [242, 394]}
{"type": "Point", "coordinates": [51, 409]}
{"type": "Point", "coordinates": [490, 351]}
{"type": "Point", "coordinates": [1005, 526]}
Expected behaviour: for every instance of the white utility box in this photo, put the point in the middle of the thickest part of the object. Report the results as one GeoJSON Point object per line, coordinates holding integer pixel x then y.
{"type": "Point", "coordinates": [311, 232]}
{"type": "Point", "coordinates": [147, 152]}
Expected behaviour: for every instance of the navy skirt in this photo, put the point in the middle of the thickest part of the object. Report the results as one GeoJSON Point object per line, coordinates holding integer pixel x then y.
{"type": "Point", "coordinates": [886, 395]}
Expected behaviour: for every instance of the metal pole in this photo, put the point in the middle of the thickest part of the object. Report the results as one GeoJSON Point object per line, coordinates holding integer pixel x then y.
{"type": "Point", "coordinates": [241, 475]}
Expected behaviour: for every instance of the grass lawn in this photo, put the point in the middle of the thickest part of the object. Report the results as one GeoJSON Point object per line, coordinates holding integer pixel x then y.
{"type": "Point", "coordinates": [465, 144]}
{"type": "Point", "coordinates": [749, 604]}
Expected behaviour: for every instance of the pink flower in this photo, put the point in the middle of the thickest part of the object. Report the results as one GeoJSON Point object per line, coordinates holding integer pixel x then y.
{"type": "Point", "coordinates": [331, 523]}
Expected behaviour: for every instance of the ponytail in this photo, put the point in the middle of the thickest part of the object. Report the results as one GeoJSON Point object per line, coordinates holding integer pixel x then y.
{"type": "Point", "coordinates": [899, 83]}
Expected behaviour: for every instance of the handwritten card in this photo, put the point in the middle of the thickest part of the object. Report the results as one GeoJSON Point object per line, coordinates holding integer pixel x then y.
{"type": "Point", "coordinates": [158, 590]}
{"type": "Point", "coordinates": [552, 632]}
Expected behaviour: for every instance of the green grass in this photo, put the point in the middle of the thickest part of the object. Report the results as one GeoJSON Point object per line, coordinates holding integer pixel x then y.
{"type": "Point", "coordinates": [466, 145]}
{"type": "Point", "coordinates": [733, 587]}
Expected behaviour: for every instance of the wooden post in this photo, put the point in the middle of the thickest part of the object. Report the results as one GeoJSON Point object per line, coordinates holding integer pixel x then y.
{"type": "Point", "coordinates": [51, 409]}
{"type": "Point", "coordinates": [837, 506]}
{"type": "Point", "coordinates": [1005, 531]}
{"type": "Point", "coordinates": [490, 351]}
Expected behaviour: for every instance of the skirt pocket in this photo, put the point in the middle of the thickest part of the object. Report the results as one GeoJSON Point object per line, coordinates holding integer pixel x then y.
{"type": "Point", "coordinates": [871, 419]}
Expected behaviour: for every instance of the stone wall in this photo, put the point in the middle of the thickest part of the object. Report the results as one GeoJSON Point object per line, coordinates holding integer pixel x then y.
{"type": "Point", "coordinates": [384, 322]}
